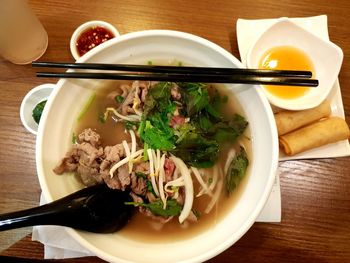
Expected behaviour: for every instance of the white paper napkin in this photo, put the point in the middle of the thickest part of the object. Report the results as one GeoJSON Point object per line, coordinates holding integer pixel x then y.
{"type": "Point", "coordinates": [58, 244]}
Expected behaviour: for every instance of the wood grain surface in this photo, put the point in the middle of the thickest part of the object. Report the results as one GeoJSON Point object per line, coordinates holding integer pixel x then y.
{"type": "Point", "coordinates": [315, 193]}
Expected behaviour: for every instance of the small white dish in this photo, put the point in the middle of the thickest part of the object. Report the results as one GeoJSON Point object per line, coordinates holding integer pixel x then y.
{"type": "Point", "coordinates": [325, 56]}
{"type": "Point", "coordinates": [86, 26]}
{"type": "Point", "coordinates": [31, 99]}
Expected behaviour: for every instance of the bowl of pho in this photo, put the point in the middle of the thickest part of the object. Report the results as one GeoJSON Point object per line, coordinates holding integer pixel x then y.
{"type": "Point", "coordinates": [198, 159]}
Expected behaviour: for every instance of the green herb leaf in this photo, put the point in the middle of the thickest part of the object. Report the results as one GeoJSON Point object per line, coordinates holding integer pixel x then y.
{"type": "Point", "coordinates": [150, 187]}
{"type": "Point", "coordinates": [38, 111]}
{"type": "Point", "coordinates": [181, 131]}
{"type": "Point", "coordinates": [159, 136]}
{"type": "Point", "coordinates": [196, 97]}
{"type": "Point", "coordinates": [197, 151]}
{"type": "Point", "coordinates": [203, 122]}
{"type": "Point", "coordinates": [119, 98]}
{"type": "Point", "coordinates": [236, 170]}
{"type": "Point", "coordinates": [229, 131]}
{"type": "Point", "coordinates": [172, 208]}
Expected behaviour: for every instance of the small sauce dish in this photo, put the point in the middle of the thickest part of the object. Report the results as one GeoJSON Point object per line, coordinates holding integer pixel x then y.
{"type": "Point", "coordinates": [89, 35]}
{"type": "Point", "coordinates": [30, 100]}
{"type": "Point", "coordinates": [325, 62]}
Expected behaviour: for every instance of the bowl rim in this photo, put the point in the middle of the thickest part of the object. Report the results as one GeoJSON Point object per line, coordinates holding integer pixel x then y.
{"type": "Point", "coordinates": [274, 150]}
{"type": "Point", "coordinates": [85, 26]}
{"type": "Point", "coordinates": [288, 103]}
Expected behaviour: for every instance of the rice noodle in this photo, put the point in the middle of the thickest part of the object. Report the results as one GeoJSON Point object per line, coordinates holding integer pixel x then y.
{"type": "Point", "coordinates": [158, 160]}
{"type": "Point", "coordinates": [152, 172]}
{"type": "Point", "coordinates": [150, 157]}
{"type": "Point", "coordinates": [127, 153]}
{"type": "Point", "coordinates": [133, 141]}
{"type": "Point", "coordinates": [155, 162]}
{"type": "Point", "coordinates": [176, 173]}
{"type": "Point", "coordinates": [126, 148]}
{"type": "Point", "coordinates": [217, 193]}
{"type": "Point", "coordinates": [201, 182]}
{"type": "Point", "coordinates": [174, 183]}
{"type": "Point", "coordinates": [186, 175]}
{"type": "Point", "coordinates": [161, 180]}
{"type": "Point", "coordinates": [124, 161]}
{"type": "Point", "coordinates": [127, 118]}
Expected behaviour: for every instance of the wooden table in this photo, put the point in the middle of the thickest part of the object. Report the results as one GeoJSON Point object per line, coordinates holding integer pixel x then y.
{"type": "Point", "coordinates": [315, 193]}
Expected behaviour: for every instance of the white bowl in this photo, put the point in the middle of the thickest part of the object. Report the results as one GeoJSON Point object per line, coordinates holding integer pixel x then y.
{"type": "Point", "coordinates": [325, 55]}
{"type": "Point", "coordinates": [85, 26]}
{"type": "Point", "coordinates": [30, 100]}
{"type": "Point", "coordinates": [59, 116]}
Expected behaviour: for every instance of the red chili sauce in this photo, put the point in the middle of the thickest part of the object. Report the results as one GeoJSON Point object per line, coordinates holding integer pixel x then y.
{"type": "Point", "coordinates": [91, 38]}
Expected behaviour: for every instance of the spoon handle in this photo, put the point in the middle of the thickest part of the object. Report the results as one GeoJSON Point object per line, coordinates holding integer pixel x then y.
{"type": "Point", "coordinates": [50, 214]}
{"type": "Point", "coordinates": [61, 212]}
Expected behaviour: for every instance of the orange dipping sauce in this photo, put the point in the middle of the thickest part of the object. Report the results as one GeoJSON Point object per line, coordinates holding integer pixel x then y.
{"type": "Point", "coordinates": [288, 58]}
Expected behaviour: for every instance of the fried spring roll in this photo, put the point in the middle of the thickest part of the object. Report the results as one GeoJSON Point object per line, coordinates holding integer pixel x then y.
{"type": "Point", "coordinates": [287, 121]}
{"type": "Point", "coordinates": [314, 135]}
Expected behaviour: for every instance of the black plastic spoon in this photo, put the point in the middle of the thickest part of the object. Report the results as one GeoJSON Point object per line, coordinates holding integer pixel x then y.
{"type": "Point", "coordinates": [97, 209]}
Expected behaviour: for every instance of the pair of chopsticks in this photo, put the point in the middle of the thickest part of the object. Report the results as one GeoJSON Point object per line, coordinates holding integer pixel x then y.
{"type": "Point", "coordinates": [180, 74]}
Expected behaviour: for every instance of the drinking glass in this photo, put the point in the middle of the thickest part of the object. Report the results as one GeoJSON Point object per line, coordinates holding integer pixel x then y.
{"type": "Point", "coordinates": [23, 38]}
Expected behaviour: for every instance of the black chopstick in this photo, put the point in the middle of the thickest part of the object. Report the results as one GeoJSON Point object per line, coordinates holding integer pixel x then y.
{"type": "Point", "coordinates": [177, 69]}
{"type": "Point", "coordinates": [209, 78]}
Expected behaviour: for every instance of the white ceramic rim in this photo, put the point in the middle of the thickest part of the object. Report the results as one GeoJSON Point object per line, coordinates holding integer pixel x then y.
{"type": "Point", "coordinates": [286, 103]}
{"type": "Point", "coordinates": [24, 120]}
{"type": "Point", "coordinates": [82, 28]}
{"type": "Point", "coordinates": [272, 172]}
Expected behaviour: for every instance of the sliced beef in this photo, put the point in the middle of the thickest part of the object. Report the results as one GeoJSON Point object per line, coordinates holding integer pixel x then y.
{"type": "Point", "coordinates": [82, 157]}
{"type": "Point", "coordinates": [69, 163]}
{"type": "Point", "coordinates": [169, 168]}
{"type": "Point", "coordinates": [112, 182]}
{"type": "Point", "coordinates": [88, 154]}
{"type": "Point", "coordinates": [122, 90]}
{"type": "Point", "coordinates": [142, 167]}
{"type": "Point", "coordinates": [138, 90]}
{"type": "Point", "coordinates": [89, 136]}
{"type": "Point", "coordinates": [124, 176]}
{"type": "Point", "coordinates": [138, 184]}
{"type": "Point", "coordinates": [112, 154]}
{"type": "Point", "coordinates": [89, 175]}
